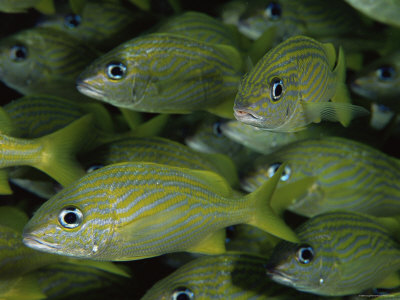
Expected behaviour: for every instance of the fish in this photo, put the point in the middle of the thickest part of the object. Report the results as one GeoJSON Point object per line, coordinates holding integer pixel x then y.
{"type": "Point", "coordinates": [200, 26]}
{"type": "Point", "coordinates": [151, 73]}
{"type": "Point", "coordinates": [5, 188]}
{"type": "Point", "coordinates": [102, 24]}
{"type": "Point", "coordinates": [340, 253]}
{"type": "Point", "coordinates": [130, 211]}
{"type": "Point", "coordinates": [379, 81]}
{"type": "Point", "coordinates": [385, 11]}
{"type": "Point", "coordinates": [304, 17]}
{"type": "Point", "coordinates": [12, 6]}
{"type": "Point", "coordinates": [44, 61]}
{"type": "Point", "coordinates": [349, 175]}
{"type": "Point", "coordinates": [52, 154]}
{"type": "Point", "coordinates": [266, 142]}
{"type": "Point", "coordinates": [283, 92]}
{"type": "Point", "coordinates": [23, 287]}
{"type": "Point", "coordinates": [232, 275]}
{"type": "Point", "coordinates": [162, 151]}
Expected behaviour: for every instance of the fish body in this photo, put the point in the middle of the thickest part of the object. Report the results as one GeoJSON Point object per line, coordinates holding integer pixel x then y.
{"type": "Point", "coordinates": [200, 26]}
{"type": "Point", "coordinates": [341, 253]}
{"type": "Point", "coordinates": [43, 61]}
{"type": "Point", "coordinates": [380, 81]}
{"type": "Point", "coordinates": [162, 151]}
{"type": "Point", "coordinates": [102, 24]}
{"type": "Point", "coordinates": [130, 211]}
{"type": "Point", "coordinates": [164, 73]}
{"type": "Point", "coordinates": [350, 175]}
{"type": "Point", "coordinates": [52, 154]}
{"type": "Point", "coordinates": [292, 85]}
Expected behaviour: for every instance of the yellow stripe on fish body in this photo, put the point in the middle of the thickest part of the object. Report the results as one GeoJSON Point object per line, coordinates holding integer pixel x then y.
{"type": "Point", "coordinates": [291, 85]}
{"type": "Point", "coordinates": [52, 154]}
{"type": "Point", "coordinates": [341, 253]}
{"type": "Point", "coordinates": [200, 26]}
{"type": "Point", "coordinates": [164, 73]}
{"type": "Point", "coordinates": [228, 276]}
{"type": "Point", "coordinates": [349, 175]}
{"type": "Point", "coordinates": [131, 211]}
{"type": "Point", "coordinates": [162, 151]}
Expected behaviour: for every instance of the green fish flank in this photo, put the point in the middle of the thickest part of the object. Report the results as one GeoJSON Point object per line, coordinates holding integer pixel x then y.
{"type": "Point", "coordinates": [379, 81]}
{"type": "Point", "coordinates": [229, 276]}
{"type": "Point", "coordinates": [165, 73]}
{"type": "Point", "coordinates": [52, 154]}
{"type": "Point", "coordinates": [349, 175]}
{"type": "Point", "coordinates": [102, 24]}
{"type": "Point", "coordinates": [293, 17]}
{"type": "Point", "coordinates": [43, 61]}
{"type": "Point", "coordinates": [202, 27]}
{"type": "Point", "coordinates": [292, 85]}
{"type": "Point", "coordinates": [161, 151]}
{"type": "Point", "coordinates": [131, 211]}
{"type": "Point", "coordinates": [341, 253]}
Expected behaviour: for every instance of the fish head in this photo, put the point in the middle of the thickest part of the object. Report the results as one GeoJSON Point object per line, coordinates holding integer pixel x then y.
{"type": "Point", "coordinates": [71, 223]}
{"type": "Point", "coordinates": [176, 288]}
{"type": "Point", "coordinates": [379, 82]}
{"type": "Point", "coordinates": [268, 101]}
{"type": "Point", "coordinates": [20, 60]}
{"type": "Point", "coordinates": [115, 78]}
{"type": "Point", "coordinates": [301, 266]}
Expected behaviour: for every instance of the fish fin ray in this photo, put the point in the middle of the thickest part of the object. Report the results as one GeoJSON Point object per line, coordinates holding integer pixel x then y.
{"type": "Point", "coordinates": [59, 148]}
{"type": "Point", "coordinates": [101, 265]}
{"type": "Point", "coordinates": [213, 244]}
{"type": "Point", "coordinates": [330, 54]}
{"type": "Point", "coordinates": [264, 217]}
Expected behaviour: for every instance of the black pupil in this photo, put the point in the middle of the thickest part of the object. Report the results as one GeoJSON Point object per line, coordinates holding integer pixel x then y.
{"type": "Point", "coordinates": [278, 90]}
{"type": "Point", "coordinates": [217, 129]}
{"type": "Point", "coordinates": [116, 71]}
{"type": "Point", "coordinates": [19, 52]}
{"type": "Point", "coordinates": [306, 254]}
{"type": "Point", "coordinates": [386, 73]}
{"type": "Point", "coordinates": [70, 218]}
{"type": "Point", "coordinates": [183, 296]}
{"type": "Point", "coordinates": [275, 10]}
{"type": "Point", "coordinates": [73, 20]}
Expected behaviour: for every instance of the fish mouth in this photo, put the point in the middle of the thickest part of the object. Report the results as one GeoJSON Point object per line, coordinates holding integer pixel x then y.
{"type": "Point", "coordinates": [246, 116]}
{"type": "Point", "coordinates": [89, 90]}
{"type": "Point", "coordinates": [279, 276]}
{"type": "Point", "coordinates": [34, 242]}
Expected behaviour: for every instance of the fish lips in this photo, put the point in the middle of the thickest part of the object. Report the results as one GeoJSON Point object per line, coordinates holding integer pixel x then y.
{"type": "Point", "coordinates": [36, 243]}
{"type": "Point", "coordinates": [279, 276]}
{"type": "Point", "coordinates": [248, 117]}
{"type": "Point", "coordinates": [90, 89]}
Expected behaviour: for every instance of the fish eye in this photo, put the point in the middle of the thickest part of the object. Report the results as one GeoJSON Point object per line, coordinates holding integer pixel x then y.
{"type": "Point", "coordinates": [305, 254]}
{"type": "Point", "coordinates": [273, 11]}
{"type": "Point", "coordinates": [116, 70]}
{"type": "Point", "coordinates": [70, 217]}
{"type": "Point", "coordinates": [72, 20]}
{"type": "Point", "coordinates": [276, 89]}
{"type": "Point", "coordinates": [94, 168]}
{"type": "Point", "coordinates": [18, 53]}
{"type": "Point", "coordinates": [182, 293]}
{"type": "Point", "coordinates": [217, 129]}
{"type": "Point", "coordinates": [386, 73]}
{"type": "Point", "coordinates": [275, 166]}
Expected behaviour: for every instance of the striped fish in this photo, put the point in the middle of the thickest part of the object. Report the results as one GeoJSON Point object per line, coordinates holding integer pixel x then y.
{"type": "Point", "coordinates": [227, 276]}
{"type": "Point", "coordinates": [266, 142]}
{"type": "Point", "coordinates": [43, 61]}
{"type": "Point", "coordinates": [130, 211]}
{"type": "Point", "coordinates": [161, 151]}
{"type": "Point", "coordinates": [349, 175]}
{"type": "Point", "coordinates": [202, 27]}
{"type": "Point", "coordinates": [291, 17]}
{"type": "Point", "coordinates": [290, 87]}
{"type": "Point", "coordinates": [165, 73]}
{"type": "Point", "coordinates": [379, 81]}
{"type": "Point", "coordinates": [341, 253]}
{"type": "Point", "coordinates": [52, 154]}
{"type": "Point", "coordinates": [102, 24]}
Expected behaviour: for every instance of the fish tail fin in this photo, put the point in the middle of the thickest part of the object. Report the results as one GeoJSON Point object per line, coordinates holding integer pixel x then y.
{"type": "Point", "coordinates": [5, 188]}
{"type": "Point", "coordinates": [264, 217]}
{"type": "Point", "coordinates": [46, 7]}
{"type": "Point", "coordinates": [59, 149]}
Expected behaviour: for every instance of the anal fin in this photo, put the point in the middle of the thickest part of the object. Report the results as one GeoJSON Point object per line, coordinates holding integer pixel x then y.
{"type": "Point", "coordinates": [213, 244]}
